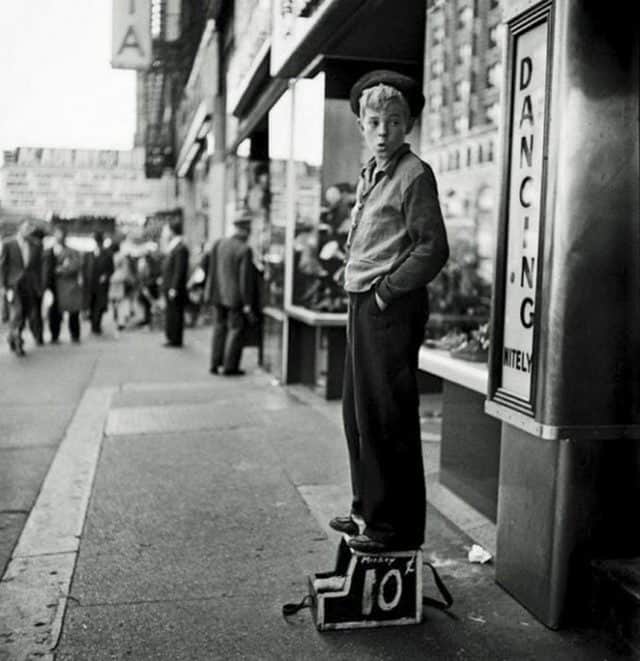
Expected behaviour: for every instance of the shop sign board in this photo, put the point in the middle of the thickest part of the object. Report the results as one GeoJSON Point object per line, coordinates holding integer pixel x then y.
{"type": "Point", "coordinates": [523, 222]}
{"type": "Point", "coordinates": [292, 20]}
{"type": "Point", "coordinates": [131, 34]}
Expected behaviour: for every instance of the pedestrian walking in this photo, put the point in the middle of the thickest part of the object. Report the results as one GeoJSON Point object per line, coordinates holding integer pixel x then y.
{"type": "Point", "coordinates": [117, 287]}
{"type": "Point", "coordinates": [21, 279]}
{"type": "Point", "coordinates": [63, 277]}
{"type": "Point", "coordinates": [174, 283]}
{"type": "Point", "coordinates": [230, 287]}
{"type": "Point", "coordinates": [36, 323]}
{"type": "Point", "coordinates": [98, 268]}
{"type": "Point", "coordinates": [397, 244]}
{"type": "Point", "coordinates": [148, 292]}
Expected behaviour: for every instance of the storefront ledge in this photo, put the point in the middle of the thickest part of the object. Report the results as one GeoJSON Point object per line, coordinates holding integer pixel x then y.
{"type": "Point", "coordinates": [469, 375]}
{"type": "Point", "coordinates": [275, 313]}
{"type": "Point", "coordinates": [557, 432]}
{"type": "Point", "coordinates": [313, 318]}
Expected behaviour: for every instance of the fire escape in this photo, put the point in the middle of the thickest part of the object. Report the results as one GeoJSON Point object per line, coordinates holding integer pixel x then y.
{"type": "Point", "coordinates": [176, 29]}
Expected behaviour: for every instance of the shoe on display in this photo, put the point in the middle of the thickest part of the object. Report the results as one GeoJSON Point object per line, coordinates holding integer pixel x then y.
{"type": "Point", "coordinates": [236, 372]}
{"type": "Point", "coordinates": [471, 350]}
{"type": "Point", "coordinates": [450, 340]}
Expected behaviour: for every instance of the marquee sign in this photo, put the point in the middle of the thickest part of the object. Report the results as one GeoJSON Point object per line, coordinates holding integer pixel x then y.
{"type": "Point", "coordinates": [131, 34]}
{"type": "Point", "coordinates": [514, 354]}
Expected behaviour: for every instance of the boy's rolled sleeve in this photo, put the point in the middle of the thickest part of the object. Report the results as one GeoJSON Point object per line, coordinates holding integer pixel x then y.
{"type": "Point", "coordinates": [429, 249]}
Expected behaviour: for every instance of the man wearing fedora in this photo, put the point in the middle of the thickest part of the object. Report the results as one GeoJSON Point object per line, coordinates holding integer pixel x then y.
{"type": "Point", "coordinates": [397, 244]}
{"type": "Point", "coordinates": [174, 283]}
{"type": "Point", "coordinates": [230, 288]}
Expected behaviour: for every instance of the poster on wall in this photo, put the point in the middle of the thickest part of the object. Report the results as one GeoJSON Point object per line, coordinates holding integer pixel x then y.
{"type": "Point", "coordinates": [526, 173]}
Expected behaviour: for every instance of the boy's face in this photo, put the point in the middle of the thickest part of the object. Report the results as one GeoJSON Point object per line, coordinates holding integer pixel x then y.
{"type": "Point", "coordinates": [385, 130]}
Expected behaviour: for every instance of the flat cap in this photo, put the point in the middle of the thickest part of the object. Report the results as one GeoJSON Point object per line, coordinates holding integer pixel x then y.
{"type": "Point", "coordinates": [405, 84]}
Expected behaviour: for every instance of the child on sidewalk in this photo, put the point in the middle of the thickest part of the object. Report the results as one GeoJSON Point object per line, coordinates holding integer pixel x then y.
{"type": "Point", "coordinates": [397, 245]}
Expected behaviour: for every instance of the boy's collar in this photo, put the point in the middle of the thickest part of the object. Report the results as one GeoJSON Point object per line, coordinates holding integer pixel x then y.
{"type": "Point", "coordinates": [389, 166]}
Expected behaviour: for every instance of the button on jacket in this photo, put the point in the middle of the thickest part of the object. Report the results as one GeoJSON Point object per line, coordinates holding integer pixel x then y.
{"type": "Point", "coordinates": [397, 242]}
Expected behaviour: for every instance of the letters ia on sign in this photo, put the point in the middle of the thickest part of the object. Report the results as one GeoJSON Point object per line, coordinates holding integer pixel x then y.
{"type": "Point", "coordinates": [131, 43]}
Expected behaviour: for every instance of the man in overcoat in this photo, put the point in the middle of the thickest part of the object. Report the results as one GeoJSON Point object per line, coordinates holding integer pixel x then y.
{"type": "Point", "coordinates": [230, 287]}
{"type": "Point", "coordinates": [174, 283]}
{"type": "Point", "coordinates": [98, 267]}
{"type": "Point", "coordinates": [21, 279]}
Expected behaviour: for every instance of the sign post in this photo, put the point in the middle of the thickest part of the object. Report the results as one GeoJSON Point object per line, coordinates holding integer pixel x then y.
{"type": "Point", "coordinates": [564, 376]}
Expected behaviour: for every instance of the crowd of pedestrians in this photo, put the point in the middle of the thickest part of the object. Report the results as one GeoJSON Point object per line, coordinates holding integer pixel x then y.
{"type": "Point", "coordinates": [44, 280]}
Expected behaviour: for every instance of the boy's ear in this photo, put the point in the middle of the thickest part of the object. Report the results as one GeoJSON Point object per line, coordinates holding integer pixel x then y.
{"type": "Point", "coordinates": [410, 122]}
{"type": "Point", "coordinates": [360, 125]}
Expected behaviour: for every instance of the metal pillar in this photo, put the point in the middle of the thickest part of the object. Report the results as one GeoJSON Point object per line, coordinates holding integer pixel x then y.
{"type": "Point", "coordinates": [564, 365]}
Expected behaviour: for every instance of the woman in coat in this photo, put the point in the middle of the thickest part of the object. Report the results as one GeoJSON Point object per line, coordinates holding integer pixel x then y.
{"type": "Point", "coordinates": [63, 277]}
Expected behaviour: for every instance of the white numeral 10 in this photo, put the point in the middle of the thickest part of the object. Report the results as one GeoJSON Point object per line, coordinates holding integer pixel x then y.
{"type": "Point", "coordinates": [369, 585]}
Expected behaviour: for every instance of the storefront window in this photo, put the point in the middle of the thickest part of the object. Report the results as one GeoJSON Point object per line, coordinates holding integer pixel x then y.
{"type": "Point", "coordinates": [327, 155]}
{"type": "Point", "coordinates": [461, 294]}
{"type": "Point", "coordinates": [249, 187]}
{"type": "Point", "coordinates": [273, 255]}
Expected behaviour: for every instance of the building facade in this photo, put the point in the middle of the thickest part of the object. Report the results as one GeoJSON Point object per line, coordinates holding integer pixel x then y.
{"type": "Point", "coordinates": [41, 183]}
{"type": "Point", "coordinates": [276, 137]}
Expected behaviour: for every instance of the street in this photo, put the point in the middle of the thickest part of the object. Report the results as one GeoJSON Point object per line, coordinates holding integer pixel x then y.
{"type": "Point", "coordinates": [182, 510]}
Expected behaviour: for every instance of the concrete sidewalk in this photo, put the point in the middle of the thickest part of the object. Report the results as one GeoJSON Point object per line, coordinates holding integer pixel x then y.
{"type": "Point", "coordinates": [208, 504]}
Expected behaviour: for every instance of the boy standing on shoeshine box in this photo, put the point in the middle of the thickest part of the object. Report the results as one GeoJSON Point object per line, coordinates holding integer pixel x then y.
{"type": "Point", "coordinates": [397, 245]}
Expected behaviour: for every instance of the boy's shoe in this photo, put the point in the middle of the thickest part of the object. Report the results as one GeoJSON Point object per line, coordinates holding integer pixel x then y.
{"type": "Point", "coordinates": [344, 524]}
{"type": "Point", "coordinates": [366, 544]}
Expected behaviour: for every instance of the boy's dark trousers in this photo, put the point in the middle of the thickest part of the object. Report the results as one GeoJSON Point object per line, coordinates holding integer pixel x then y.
{"type": "Point", "coordinates": [381, 416]}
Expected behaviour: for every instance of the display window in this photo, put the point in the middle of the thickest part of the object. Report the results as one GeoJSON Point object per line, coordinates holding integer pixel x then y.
{"type": "Point", "coordinates": [308, 127]}
{"type": "Point", "coordinates": [326, 159]}
{"type": "Point", "coordinates": [249, 189]}
{"type": "Point", "coordinates": [461, 294]}
{"type": "Point", "coordinates": [274, 235]}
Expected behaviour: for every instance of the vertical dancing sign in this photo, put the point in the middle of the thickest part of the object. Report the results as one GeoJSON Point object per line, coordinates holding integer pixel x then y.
{"type": "Point", "coordinates": [131, 32]}
{"type": "Point", "coordinates": [527, 124]}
